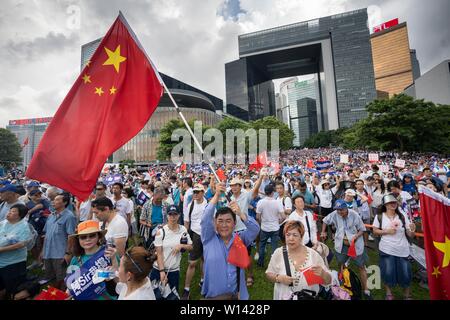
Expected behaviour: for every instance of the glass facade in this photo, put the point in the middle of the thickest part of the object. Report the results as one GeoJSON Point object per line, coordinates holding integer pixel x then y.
{"type": "Point", "coordinates": [351, 54]}
{"type": "Point", "coordinates": [304, 109]}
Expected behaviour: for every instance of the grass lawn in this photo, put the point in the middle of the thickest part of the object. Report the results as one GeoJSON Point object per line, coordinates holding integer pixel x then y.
{"type": "Point", "coordinates": [262, 289]}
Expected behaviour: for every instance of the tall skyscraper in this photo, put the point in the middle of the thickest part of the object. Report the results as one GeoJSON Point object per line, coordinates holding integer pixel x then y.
{"type": "Point", "coordinates": [335, 48]}
{"type": "Point", "coordinates": [395, 64]}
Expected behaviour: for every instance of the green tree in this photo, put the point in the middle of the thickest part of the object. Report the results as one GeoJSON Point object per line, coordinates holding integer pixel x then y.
{"type": "Point", "coordinates": [404, 124]}
{"type": "Point", "coordinates": [165, 138]}
{"type": "Point", "coordinates": [10, 149]}
{"type": "Point", "coordinates": [325, 139]}
{"type": "Point", "coordinates": [269, 123]}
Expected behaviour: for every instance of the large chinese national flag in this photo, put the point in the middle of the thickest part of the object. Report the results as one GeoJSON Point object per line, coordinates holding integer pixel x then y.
{"type": "Point", "coordinates": [435, 211]}
{"type": "Point", "coordinates": [109, 103]}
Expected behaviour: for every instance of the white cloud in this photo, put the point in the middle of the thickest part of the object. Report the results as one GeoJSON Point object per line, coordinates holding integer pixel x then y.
{"type": "Point", "coordinates": [185, 39]}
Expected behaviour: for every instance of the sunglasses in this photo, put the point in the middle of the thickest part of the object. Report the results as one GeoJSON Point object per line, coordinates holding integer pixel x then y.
{"type": "Point", "coordinates": [99, 189]}
{"type": "Point", "coordinates": [136, 265]}
{"type": "Point", "coordinates": [86, 236]}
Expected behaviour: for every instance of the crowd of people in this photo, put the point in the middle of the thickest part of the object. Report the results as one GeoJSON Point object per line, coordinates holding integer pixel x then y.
{"type": "Point", "coordinates": [146, 221]}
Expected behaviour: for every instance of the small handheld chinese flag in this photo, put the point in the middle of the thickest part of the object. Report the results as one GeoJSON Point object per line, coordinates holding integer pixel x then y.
{"type": "Point", "coordinates": [52, 294]}
{"type": "Point", "coordinates": [238, 255]}
{"type": "Point", "coordinates": [109, 103]}
{"type": "Point", "coordinates": [221, 174]}
{"type": "Point", "coordinates": [352, 249]}
{"type": "Point", "coordinates": [25, 142]}
{"type": "Point", "coordinates": [312, 278]}
{"type": "Point", "coordinates": [260, 162]}
{"type": "Point", "coordinates": [310, 164]}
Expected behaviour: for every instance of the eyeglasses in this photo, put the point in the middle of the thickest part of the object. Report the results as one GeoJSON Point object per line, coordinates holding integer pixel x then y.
{"type": "Point", "coordinates": [99, 189]}
{"type": "Point", "coordinates": [134, 262]}
{"type": "Point", "coordinates": [86, 236]}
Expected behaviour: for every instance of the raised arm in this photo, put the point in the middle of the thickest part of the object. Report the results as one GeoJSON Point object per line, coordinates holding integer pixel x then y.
{"type": "Point", "coordinates": [207, 223]}
{"type": "Point", "coordinates": [257, 186]}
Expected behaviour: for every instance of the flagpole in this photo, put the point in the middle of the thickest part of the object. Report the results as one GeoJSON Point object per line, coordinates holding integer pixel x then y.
{"type": "Point", "coordinates": [189, 128]}
{"type": "Point", "coordinates": [124, 20]}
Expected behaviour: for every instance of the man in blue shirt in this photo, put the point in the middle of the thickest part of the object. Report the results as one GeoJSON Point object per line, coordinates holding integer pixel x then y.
{"type": "Point", "coordinates": [309, 198]}
{"type": "Point", "coordinates": [60, 224]}
{"type": "Point", "coordinates": [216, 247]}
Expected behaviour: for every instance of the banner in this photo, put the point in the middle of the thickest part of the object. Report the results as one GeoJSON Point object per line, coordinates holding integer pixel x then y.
{"type": "Point", "coordinates": [373, 157]}
{"type": "Point", "coordinates": [323, 164]}
{"type": "Point", "coordinates": [142, 198]}
{"type": "Point", "coordinates": [399, 163]}
{"type": "Point", "coordinates": [384, 168]}
{"type": "Point", "coordinates": [435, 211]}
{"type": "Point", "coordinates": [344, 158]}
{"type": "Point", "coordinates": [80, 283]}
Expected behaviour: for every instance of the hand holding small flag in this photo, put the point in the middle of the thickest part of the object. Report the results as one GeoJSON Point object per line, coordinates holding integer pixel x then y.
{"type": "Point", "coordinates": [313, 275]}
{"type": "Point", "coordinates": [352, 249]}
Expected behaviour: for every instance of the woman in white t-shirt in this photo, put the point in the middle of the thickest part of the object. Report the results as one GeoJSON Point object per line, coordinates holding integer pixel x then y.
{"type": "Point", "coordinates": [170, 241]}
{"type": "Point", "coordinates": [394, 226]}
{"type": "Point", "coordinates": [135, 265]}
{"type": "Point", "coordinates": [304, 262]}
{"type": "Point", "coordinates": [307, 219]}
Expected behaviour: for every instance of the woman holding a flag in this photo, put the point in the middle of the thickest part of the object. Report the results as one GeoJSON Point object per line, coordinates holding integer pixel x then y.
{"type": "Point", "coordinates": [395, 228]}
{"type": "Point", "coordinates": [296, 267]}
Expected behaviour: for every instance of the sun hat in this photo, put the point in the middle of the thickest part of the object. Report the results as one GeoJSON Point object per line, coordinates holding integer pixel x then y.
{"type": "Point", "coordinates": [236, 181]}
{"type": "Point", "coordinates": [340, 204]}
{"type": "Point", "coordinates": [199, 187]}
{"type": "Point", "coordinates": [172, 210]}
{"type": "Point", "coordinates": [389, 198]}
{"type": "Point", "coordinates": [350, 192]}
{"type": "Point", "coordinates": [88, 227]}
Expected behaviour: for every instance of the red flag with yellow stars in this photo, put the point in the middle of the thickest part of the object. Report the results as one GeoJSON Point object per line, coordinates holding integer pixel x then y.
{"type": "Point", "coordinates": [52, 294]}
{"type": "Point", "coordinates": [260, 162]}
{"type": "Point", "coordinates": [435, 211]}
{"type": "Point", "coordinates": [110, 102]}
{"type": "Point", "coordinates": [238, 255]}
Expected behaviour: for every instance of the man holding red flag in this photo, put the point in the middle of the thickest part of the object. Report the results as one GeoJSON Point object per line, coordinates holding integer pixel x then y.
{"type": "Point", "coordinates": [224, 251]}
{"type": "Point", "coordinates": [435, 210]}
{"type": "Point", "coordinates": [109, 103]}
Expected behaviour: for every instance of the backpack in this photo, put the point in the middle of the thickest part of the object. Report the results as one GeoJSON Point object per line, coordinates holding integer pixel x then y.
{"type": "Point", "coordinates": [351, 283]}
{"type": "Point", "coordinates": [402, 219]}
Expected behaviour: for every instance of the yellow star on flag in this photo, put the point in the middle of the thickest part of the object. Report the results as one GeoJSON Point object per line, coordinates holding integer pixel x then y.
{"type": "Point", "coordinates": [88, 63]}
{"type": "Point", "coordinates": [436, 272]}
{"type": "Point", "coordinates": [114, 58]}
{"type": "Point", "coordinates": [445, 248]}
{"type": "Point", "coordinates": [86, 78]}
{"type": "Point", "coordinates": [112, 90]}
{"type": "Point", "coordinates": [99, 91]}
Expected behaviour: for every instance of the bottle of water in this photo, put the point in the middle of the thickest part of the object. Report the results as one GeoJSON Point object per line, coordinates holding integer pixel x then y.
{"type": "Point", "coordinates": [183, 240]}
{"type": "Point", "coordinates": [104, 274]}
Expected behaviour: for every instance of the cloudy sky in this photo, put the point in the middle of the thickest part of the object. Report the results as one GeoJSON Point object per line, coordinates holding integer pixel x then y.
{"type": "Point", "coordinates": [188, 39]}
